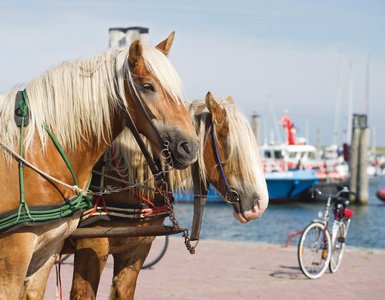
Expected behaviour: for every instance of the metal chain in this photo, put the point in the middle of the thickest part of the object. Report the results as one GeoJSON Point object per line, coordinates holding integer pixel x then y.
{"type": "Point", "coordinates": [174, 221]}
{"type": "Point", "coordinates": [111, 190]}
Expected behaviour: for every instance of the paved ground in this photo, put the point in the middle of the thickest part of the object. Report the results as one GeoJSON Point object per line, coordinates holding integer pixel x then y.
{"type": "Point", "coordinates": [237, 270]}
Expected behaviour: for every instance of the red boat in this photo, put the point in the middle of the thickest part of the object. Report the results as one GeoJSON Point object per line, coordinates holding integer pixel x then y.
{"type": "Point", "coordinates": [381, 194]}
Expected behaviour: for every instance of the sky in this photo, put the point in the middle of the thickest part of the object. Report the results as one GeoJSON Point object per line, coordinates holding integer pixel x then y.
{"type": "Point", "coordinates": [271, 56]}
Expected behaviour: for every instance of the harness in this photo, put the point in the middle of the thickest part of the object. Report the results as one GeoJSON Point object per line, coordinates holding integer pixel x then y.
{"type": "Point", "coordinates": [201, 189]}
{"type": "Point", "coordinates": [145, 211]}
{"type": "Point", "coordinates": [24, 215]}
{"type": "Point", "coordinates": [153, 163]}
{"type": "Point", "coordinates": [231, 197]}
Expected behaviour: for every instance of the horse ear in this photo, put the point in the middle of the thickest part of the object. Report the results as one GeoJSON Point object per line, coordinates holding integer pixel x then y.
{"type": "Point", "coordinates": [229, 99]}
{"type": "Point", "coordinates": [135, 52]}
{"type": "Point", "coordinates": [218, 114]}
{"type": "Point", "coordinates": [166, 44]}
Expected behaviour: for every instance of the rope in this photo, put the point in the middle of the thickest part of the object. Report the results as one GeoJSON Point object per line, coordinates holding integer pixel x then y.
{"type": "Point", "coordinates": [74, 188]}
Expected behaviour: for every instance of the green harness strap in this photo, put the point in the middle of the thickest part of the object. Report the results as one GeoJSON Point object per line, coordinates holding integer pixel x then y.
{"type": "Point", "coordinates": [24, 214]}
{"type": "Point", "coordinates": [23, 207]}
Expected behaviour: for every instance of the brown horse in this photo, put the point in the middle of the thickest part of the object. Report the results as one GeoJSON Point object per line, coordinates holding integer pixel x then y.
{"type": "Point", "coordinates": [242, 167]}
{"type": "Point", "coordinates": [68, 116]}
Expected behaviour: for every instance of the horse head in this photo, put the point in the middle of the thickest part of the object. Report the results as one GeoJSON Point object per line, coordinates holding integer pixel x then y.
{"type": "Point", "coordinates": [154, 81]}
{"type": "Point", "coordinates": [232, 162]}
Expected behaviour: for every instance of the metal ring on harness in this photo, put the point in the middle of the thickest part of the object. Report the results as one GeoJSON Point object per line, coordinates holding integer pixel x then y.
{"type": "Point", "coordinates": [165, 153]}
{"type": "Point", "coordinates": [232, 197]}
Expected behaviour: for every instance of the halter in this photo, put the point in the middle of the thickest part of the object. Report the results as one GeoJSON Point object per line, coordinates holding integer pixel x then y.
{"type": "Point", "coordinates": [154, 164]}
{"type": "Point", "coordinates": [231, 197]}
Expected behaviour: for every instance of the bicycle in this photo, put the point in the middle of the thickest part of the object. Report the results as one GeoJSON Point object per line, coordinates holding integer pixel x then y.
{"type": "Point", "coordinates": [319, 247]}
{"type": "Point", "coordinates": [158, 249]}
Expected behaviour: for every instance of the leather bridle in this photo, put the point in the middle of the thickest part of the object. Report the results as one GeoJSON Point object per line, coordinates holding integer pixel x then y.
{"type": "Point", "coordinates": [201, 189]}
{"type": "Point", "coordinates": [154, 164]}
{"type": "Point", "coordinates": [231, 197]}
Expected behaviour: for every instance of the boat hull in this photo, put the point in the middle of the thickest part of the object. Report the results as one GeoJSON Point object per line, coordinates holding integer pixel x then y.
{"type": "Point", "coordinates": [282, 186]}
{"type": "Point", "coordinates": [286, 186]}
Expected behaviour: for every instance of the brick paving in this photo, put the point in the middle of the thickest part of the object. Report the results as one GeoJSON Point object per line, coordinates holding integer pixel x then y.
{"type": "Point", "coordinates": [240, 270]}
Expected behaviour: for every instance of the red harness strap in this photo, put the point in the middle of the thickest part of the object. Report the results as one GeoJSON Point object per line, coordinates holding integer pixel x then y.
{"type": "Point", "coordinates": [100, 197]}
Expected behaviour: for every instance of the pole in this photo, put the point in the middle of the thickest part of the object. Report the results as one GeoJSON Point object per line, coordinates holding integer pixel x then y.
{"type": "Point", "coordinates": [255, 124]}
{"type": "Point", "coordinates": [363, 191]}
{"type": "Point", "coordinates": [359, 183]}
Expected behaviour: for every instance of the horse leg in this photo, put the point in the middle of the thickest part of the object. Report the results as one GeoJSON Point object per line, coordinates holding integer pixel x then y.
{"type": "Point", "coordinates": [36, 280]}
{"type": "Point", "coordinates": [90, 258]}
{"type": "Point", "coordinates": [35, 285]}
{"type": "Point", "coordinates": [126, 272]}
{"type": "Point", "coordinates": [15, 255]}
{"type": "Point", "coordinates": [48, 245]}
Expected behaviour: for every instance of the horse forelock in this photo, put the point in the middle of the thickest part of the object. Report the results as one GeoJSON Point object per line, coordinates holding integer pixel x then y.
{"type": "Point", "coordinates": [158, 63]}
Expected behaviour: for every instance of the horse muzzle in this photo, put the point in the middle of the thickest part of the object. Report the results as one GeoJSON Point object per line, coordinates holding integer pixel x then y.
{"type": "Point", "coordinates": [183, 153]}
{"type": "Point", "coordinates": [252, 214]}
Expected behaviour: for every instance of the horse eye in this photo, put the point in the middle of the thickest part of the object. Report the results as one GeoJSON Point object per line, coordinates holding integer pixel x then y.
{"type": "Point", "coordinates": [149, 87]}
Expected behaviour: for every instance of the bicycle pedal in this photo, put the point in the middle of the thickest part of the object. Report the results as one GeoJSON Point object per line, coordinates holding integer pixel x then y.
{"type": "Point", "coordinates": [341, 239]}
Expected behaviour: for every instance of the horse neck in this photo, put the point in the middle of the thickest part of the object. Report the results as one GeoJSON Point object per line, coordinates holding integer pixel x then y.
{"type": "Point", "coordinates": [89, 151]}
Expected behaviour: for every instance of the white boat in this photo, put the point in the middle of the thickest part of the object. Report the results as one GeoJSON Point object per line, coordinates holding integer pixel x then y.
{"type": "Point", "coordinates": [328, 163]}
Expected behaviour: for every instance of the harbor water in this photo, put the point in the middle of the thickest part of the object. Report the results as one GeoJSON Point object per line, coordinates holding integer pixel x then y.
{"type": "Point", "coordinates": [367, 226]}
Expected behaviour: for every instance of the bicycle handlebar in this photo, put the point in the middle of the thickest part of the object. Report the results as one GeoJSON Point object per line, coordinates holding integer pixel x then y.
{"type": "Point", "coordinates": [337, 197]}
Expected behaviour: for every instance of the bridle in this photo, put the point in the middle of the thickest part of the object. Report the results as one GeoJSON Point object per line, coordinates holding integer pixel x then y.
{"type": "Point", "coordinates": [153, 163]}
{"type": "Point", "coordinates": [231, 197]}
{"type": "Point", "coordinates": [201, 189]}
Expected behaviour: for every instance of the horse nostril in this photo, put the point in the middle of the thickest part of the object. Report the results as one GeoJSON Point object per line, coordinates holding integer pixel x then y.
{"type": "Point", "coordinates": [184, 148]}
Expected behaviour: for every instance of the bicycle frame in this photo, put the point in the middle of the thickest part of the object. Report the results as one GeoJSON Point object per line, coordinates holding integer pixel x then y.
{"type": "Point", "coordinates": [331, 242]}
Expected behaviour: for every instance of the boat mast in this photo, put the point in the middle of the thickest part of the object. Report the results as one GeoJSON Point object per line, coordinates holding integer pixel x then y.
{"type": "Point", "coordinates": [350, 106]}
{"type": "Point", "coordinates": [367, 98]}
{"type": "Point", "coordinates": [275, 124]}
{"type": "Point", "coordinates": [337, 104]}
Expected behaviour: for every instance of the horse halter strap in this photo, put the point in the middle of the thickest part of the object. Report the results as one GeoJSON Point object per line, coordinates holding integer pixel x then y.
{"type": "Point", "coordinates": [154, 165]}
{"type": "Point", "coordinates": [231, 196]}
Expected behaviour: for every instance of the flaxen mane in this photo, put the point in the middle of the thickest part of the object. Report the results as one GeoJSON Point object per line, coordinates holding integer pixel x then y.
{"type": "Point", "coordinates": [81, 94]}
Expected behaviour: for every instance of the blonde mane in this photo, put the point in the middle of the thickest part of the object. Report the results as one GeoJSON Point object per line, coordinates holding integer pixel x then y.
{"type": "Point", "coordinates": [242, 158]}
{"type": "Point", "coordinates": [81, 94]}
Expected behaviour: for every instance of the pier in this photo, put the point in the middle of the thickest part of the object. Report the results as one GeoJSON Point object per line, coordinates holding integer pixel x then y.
{"type": "Point", "coordinates": [240, 270]}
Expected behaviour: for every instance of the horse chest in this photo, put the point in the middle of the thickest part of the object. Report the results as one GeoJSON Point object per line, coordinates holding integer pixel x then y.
{"type": "Point", "coordinates": [53, 233]}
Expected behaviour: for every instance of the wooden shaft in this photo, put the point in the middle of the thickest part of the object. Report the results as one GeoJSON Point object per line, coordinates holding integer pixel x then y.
{"type": "Point", "coordinates": [99, 232]}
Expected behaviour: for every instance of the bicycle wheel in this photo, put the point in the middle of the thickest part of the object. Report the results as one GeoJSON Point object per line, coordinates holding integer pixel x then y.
{"type": "Point", "coordinates": [338, 247]}
{"type": "Point", "coordinates": [314, 250]}
{"type": "Point", "coordinates": [158, 249]}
